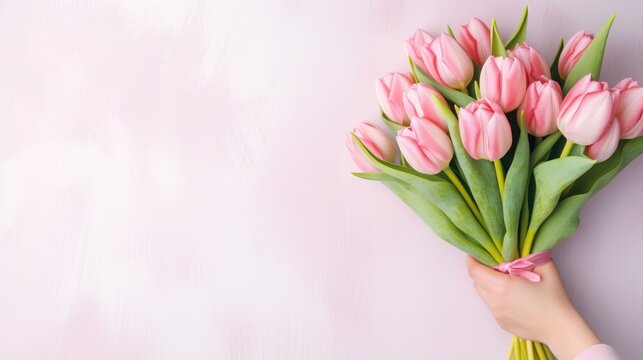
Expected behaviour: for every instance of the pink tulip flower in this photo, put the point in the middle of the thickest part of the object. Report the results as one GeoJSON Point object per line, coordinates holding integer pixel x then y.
{"type": "Point", "coordinates": [572, 51]}
{"type": "Point", "coordinates": [534, 64]}
{"type": "Point", "coordinates": [541, 106]}
{"type": "Point", "coordinates": [606, 145]}
{"type": "Point", "coordinates": [447, 62]}
{"type": "Point", "coordinates": [504, 81]}
{"type": "Point", "coordinates": [390, 90]}
{"type": "Point", "coordinates": [629, 110]}
{"type": "Point", "coordinates": [415, 44]}
{"type": "Point", "coordinates": [485, 130]}
{"type": "Point", "coordinates": [475, 38]}
{"type": "Point", "coordinates": [420, 101]}
{"type": "Point", "coordinates": [376, 140]}
{"type": "Point", "coordinates": [425, 146]}
{"type": "Point", "coordinates": [587, 111]}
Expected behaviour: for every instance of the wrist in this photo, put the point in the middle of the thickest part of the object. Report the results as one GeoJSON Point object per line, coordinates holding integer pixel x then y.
{"type": "Point", "coordinates": [570, 335]}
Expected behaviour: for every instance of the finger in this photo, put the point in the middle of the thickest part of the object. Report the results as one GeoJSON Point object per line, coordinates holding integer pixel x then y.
{"type": "Point", "coordinates": [484, 275]}
{"type": "Point", "coordinates": [484, 293]}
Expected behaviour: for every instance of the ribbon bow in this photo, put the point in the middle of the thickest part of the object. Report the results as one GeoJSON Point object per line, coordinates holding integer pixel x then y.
{"type": "Point", "coordinates": [523, 267]}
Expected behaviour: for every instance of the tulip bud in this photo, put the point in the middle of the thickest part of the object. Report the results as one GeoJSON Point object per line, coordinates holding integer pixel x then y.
{"type": "Point", "coordinates": [485, 130]}
{"type": "Point", "coordinates": [447, 62]}
{"type": "Point", "coordinates": [415, 44]}
{"type": "Point", "coordinates": [534, 64]}
{"type": "Point", "coordinates": [606, 145]}
{"type": "Point", "coordinates": [587, 111]}
{"type": "Point", "coordinates": [421, 101]}
{"type": "Point", "coordinates": [475, 38]}
{"type": "Point", "coordinates": [376, 140]}
{"type": "Point", "coordinates": [504, 81]}
{"type": "Point", "coordinates": [425, 146]}
{"type": "Point", "coordinates": [541, 106]}
{"type": "Point", "coordinates": [629, 110]}
{"type": "Point", "coordinates": [572, 51]}
{"type": "Point", "coordinates": [389, 90]}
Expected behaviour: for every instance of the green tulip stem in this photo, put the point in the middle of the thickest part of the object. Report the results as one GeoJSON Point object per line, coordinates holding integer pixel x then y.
{"type": "Point", "coordinates": [511, 352]}
{"type": "Point", "coordinates": [538, 140]}
{"type": "Point", "coordinates": [540, 351]}
{"type": "Point", "coordinates": [548, 353]}
{"type": "Point", "coordinates": [465, 195]}
{"type": "Point", "coordinates": [567, 149]}
{"type": "Point", "coordinates": [514, 349]}
{"type": "Point", "coordinates": [529, 240]}
{"type": "Point", "coordinates": [519, 355]}
{"type": "Point", "coordinates": [500, 175]}
{"type": "Point", "coordinates": [524, 224]}
{"type": "Point", "coordinates": [530, 350]}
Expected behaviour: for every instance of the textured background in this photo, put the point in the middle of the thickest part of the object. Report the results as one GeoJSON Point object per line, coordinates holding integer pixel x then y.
{"type": "Point", "coordinates": [174, 185]}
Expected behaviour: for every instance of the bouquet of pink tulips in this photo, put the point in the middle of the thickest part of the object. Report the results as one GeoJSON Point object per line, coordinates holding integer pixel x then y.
{"type": "Point", "coordinates": [496, 150]}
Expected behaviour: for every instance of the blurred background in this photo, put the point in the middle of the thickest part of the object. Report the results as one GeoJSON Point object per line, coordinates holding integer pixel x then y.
{"type": "Point", "coordinates": [174, 185]}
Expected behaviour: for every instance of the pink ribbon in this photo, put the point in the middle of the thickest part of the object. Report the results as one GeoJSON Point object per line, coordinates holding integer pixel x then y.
{"type": "Point", "coordinates": [523, 267]}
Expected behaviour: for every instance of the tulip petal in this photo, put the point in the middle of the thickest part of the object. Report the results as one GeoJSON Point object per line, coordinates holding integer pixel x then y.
{"type": "Point", "coordinates": [414, 155]}
{"type": "Point", "coordinates": [606, 145]}
{"type": "Point", "coordinates": [499, 137]}
{"type": "Point", "coordinates": [592, 118]}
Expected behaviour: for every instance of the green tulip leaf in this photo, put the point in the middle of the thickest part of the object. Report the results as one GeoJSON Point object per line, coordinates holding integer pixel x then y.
{"type": "Point", "coordinates": [476, 89]}
{"type": "Point", "coordinates": [552, 177]}
{"type": "Point", "coordinates": [514, 193]}
{"type": "Point", "coordinates": [457, 97]}
{"type": "Point", "coordinates": [592, 59]}
{"type": "Point", "coordinates": [450, 31]}
{"type": "Point", "coordinates": [561, 224]}
{"type": "Point", "coordinates": [544, 148]}
{"type": "Point", "coordinates": [439, 192]}
{"type": "Point", "coordinates": [554, 66]}
{"type": "Point", "coordinates": [441, 225]}
{"type": "Point", "coordinates": [497, 45]}
{"type": "Point", "coordinates": [390, 124]}
{"type": "Point", "coordinates": [480, 177]}
{"type": "Point", "coordinates": [565, 219]}
{"type": "Point", "coordinates": [520, 34]}
{"type": "Point", "coordinates": [377, 176]}
{"type": "Point", "coordinates": [602, 173]}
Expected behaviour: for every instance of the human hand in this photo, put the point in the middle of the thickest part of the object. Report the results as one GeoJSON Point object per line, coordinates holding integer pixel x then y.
{"type": "Point", "coordinates": [538, 311]}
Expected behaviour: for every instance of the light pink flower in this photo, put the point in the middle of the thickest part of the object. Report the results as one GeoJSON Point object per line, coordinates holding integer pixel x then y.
{"type": "Point", "coordinates": [447, 62]}
{"type": "Point", "coordinates": [504, 81]}
{"type": "Point", "coordinates": [485, 130]}
{"type": "Point", "coordinates": [420, 101]}
{"type": "Point", "coordinates": [376, 140]}
{"type": "Point", "coordinates": [425, 146]}
{"type": "Point", "coordinates": [629, 110]}
{"type": "Point", "coordinates": [475, 38]}
{"type": "Point", "coordinates": [572, 51]}
{"type": "Point", "coordinates": [541, 106]}
{"type": "Point", "coordinates": [389, 90]}
{"type": "Point", "coordinates": [415, 44]}
{"type": "Point", "coordinates": [534, 64]}
{"type": "Point", "coordinates": [606, 145]}
{"type": "Point", "coordinates": [587, 111]}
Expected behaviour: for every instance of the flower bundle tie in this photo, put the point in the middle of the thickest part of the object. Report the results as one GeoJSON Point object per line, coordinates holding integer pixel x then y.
{"type": "Point", "coordinates": [524, 266]}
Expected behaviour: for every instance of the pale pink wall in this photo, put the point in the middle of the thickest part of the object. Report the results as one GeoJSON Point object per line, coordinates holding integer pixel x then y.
{"type": "Point", "coordinates": [174, 185]}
